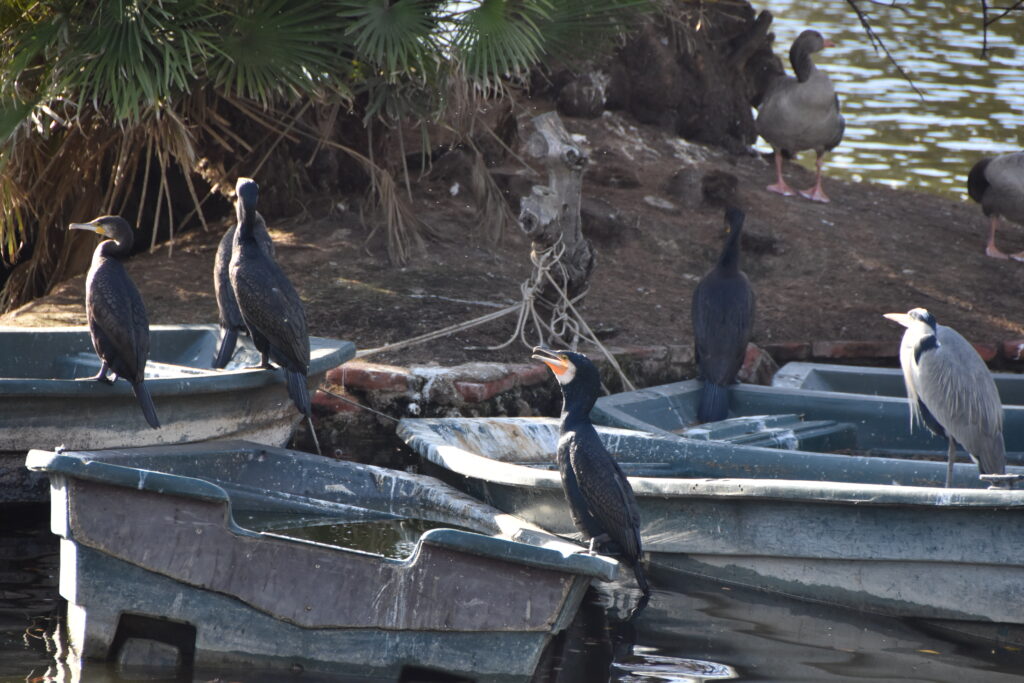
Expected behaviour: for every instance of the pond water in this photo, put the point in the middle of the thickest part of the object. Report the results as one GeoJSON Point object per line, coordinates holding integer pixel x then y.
{"type": "Point", "coordinates": [693, 630]}
{"type": "Point", "coordinates": [970, 107]}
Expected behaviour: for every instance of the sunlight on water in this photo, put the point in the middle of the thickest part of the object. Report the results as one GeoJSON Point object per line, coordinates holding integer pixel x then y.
{"type": "Point", "coordinates": [971, 107]}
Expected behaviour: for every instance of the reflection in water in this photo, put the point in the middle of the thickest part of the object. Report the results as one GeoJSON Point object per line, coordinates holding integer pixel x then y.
{"type": "Point", "coordinates": [972, 107]}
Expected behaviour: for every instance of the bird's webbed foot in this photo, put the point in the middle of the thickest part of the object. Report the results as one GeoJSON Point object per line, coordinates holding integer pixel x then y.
{"type": "Point", "coordinates": [815, 194]}
{"type": "Point", "coordinates": [596, 542]}
{"type": "Point", "coordinates": [102, 375]}
{"type": "Point", "coordinates": [992, 251]}
{"type": "Point", "coordinates": [782, 188]}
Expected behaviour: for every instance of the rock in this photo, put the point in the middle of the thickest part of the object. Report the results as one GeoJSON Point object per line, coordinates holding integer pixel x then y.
{"type": "Point", "coordinates": [601, 221]}
{"type": "Point", "coordinates": [719, 188]}
{"type": "Point", "coordinates": [584, 96]}
{"type": "Point", "coordinates": [684, 186]}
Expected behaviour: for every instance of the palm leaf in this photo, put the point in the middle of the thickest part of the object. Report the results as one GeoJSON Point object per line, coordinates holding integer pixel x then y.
{"type": "Point", "coordinates": [279, 49]}
{"type": "Point", "coordinates": [499, 38]}
{"type": "Point", "coordinates": [395, 37]}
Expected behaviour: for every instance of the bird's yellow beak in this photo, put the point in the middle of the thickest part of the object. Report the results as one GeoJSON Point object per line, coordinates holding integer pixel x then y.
{"type": "Point", "coordinates": [98, 229]}
{"type": "Point", "coordinates": [901, 318]}
{"type": "Point", "coordinates": [559, 364]}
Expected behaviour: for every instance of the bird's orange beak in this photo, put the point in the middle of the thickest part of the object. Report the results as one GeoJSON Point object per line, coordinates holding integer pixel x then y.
{"type": "Point", "coordinates": [559, 364]}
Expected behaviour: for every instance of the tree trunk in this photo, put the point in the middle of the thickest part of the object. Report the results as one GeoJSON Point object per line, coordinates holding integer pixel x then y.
{"type": "Point", "coordinates": [550, 217]}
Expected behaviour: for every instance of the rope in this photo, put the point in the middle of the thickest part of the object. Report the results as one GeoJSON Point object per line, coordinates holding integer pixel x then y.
{"type": "Point", "coordinates": [566, 322]}
{"type": "Point", "coordinates": [360, 405]}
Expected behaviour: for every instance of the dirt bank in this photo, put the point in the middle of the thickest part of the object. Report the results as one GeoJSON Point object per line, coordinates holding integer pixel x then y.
{"type": "Point", "coordinates": [822, 272]}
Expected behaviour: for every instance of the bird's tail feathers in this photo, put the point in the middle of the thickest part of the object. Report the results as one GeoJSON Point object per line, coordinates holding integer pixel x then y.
{"type": "Point", "coordinates": [714, 403]}
{"type": "Point", "coordinates": [227, 348]}
{"type": "Point", "coordinates": [299, 392]}
{"type": "Point", "coordinates": [146, 403]}
{"type": "Point", "coordinates": [645, 590]}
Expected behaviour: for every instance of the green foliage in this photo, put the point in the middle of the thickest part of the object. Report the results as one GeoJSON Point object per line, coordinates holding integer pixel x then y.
{"type": "Point", "coordinates": [104, 86]}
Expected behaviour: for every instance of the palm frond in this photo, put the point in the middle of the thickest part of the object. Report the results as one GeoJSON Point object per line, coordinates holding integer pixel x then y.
{"type": "Point", "coordinates": [280, 49]}
{"type": "Point", "coordinates": [396, 38]}
{"type": "Point", "coordinates": [499, 38]}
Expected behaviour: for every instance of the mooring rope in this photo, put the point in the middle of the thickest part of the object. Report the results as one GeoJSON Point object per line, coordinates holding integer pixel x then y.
{"type": "Point", "coordinates": [566, 324]}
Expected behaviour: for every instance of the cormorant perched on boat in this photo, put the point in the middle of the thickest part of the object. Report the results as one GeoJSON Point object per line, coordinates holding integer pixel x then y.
{"type": "Point", "coordinates": [722, 312]}
{"type": "Point", "coordinates": [117, 316]}
{"type": "Point", "coordinates": [270, 306]}
{"type": "Point", "coordinates": [230, 317]}
{"type": "Point", "coordinates": [600, 498]}
{"type": "Point", "coordinates": [801, 113]}
{"type": "Point", "coordinates": [951, 391]}
{"type": "Point", "coordinates": [997, 183]}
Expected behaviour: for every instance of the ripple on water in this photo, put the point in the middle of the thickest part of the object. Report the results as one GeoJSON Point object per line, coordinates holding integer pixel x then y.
{"type": "Point", "coordinates": [972, 107]}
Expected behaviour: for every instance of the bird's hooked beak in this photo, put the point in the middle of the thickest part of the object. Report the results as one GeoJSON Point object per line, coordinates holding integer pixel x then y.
{"type": "Point", "coordinates": [901, 318]}
{"type": "Point", "coordinates": [558, 363]}
{"type": "Point", "coordinates": [829, 43]}
{"type": "Point", "coordinates": [91, 226]}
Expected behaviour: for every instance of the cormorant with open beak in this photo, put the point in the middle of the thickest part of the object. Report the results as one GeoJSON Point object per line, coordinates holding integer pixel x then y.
{"type": "Point", "coordinates": [601, 500]}
{"type": "Point", "coordinates": [117, 317]}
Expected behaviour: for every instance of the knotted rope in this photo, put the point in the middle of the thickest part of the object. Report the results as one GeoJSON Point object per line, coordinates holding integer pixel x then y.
{"type": "Point", "coordinates": [566, 324]}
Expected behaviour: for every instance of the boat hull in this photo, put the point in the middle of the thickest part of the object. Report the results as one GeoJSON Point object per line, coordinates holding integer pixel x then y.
{"type": "Point", "coordinates": [155, 560]}
{"type": "Point", "coordinates": [874, 534]}
{"type": "Point", "coordinates": [47, 401]}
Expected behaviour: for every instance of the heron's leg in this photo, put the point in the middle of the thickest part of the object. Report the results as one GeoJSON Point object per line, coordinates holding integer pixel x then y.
{"type": "Point", "coordinates": [991, 249]}
{"type": "Point", "coordinates": [780, 186]}
{"type": "Point", "coordinates": [590, 550]}
{"type": "Point", "coordinates": [816, 193]}
{"type": "Point", "coordinates": [949, 465]}
{"type": "Point", "coordinates": [101, 376]}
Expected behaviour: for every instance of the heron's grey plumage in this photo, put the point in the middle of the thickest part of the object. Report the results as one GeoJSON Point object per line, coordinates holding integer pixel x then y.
{"type": "Point", "coordinates": [951, 390]}
{"type": "Point", "coordinates": [230, 317]}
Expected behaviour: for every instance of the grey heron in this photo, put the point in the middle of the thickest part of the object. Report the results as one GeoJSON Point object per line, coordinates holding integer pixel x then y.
{"type": "Point", "coordinates": [951, 391]}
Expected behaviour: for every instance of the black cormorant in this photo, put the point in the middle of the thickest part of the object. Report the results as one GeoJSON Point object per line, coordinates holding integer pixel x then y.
{"type": "Point", "coordinates": [600, 498]}
{"type": "Point", "coordinates": [230, 317]}
{"type": "Point", "coordinates": [997, 183]}
{"type": "Point", "coordinates": [270, 306]}
{"type": "Point", "coordinates": [722, 313]}
{"type": "Point", "coordinates": [117, 316]}
{"type": "Point", "coordinates": [801, 113]}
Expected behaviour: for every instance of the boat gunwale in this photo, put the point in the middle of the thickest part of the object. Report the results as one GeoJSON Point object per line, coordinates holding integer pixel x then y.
{"type": "Point", "coordinates": [325, 353]}
{"type": "Point", "coordinates": [510, 543]}
{"type": "Point", "coordinates": [417, 433]}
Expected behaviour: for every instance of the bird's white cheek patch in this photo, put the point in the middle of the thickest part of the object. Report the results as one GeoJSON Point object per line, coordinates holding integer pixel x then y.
{"type": "Point", "coordinates": [568, 375]}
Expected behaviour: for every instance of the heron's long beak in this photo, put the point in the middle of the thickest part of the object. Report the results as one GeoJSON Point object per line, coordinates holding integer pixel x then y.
{"type": "Point", "coordinates": [559, 364]}
{"type": "Point", "coordinates": [98, 229]}
{"type": "Point", "coordinates": [901, 318]}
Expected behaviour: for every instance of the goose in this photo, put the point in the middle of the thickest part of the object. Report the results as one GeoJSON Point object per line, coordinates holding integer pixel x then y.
{"type": "Point", "coordinates": [802, 113]}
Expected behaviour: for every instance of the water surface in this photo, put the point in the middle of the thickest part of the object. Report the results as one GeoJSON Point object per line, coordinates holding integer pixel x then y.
{"type": "Point", "coordinates": [970, 106]}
